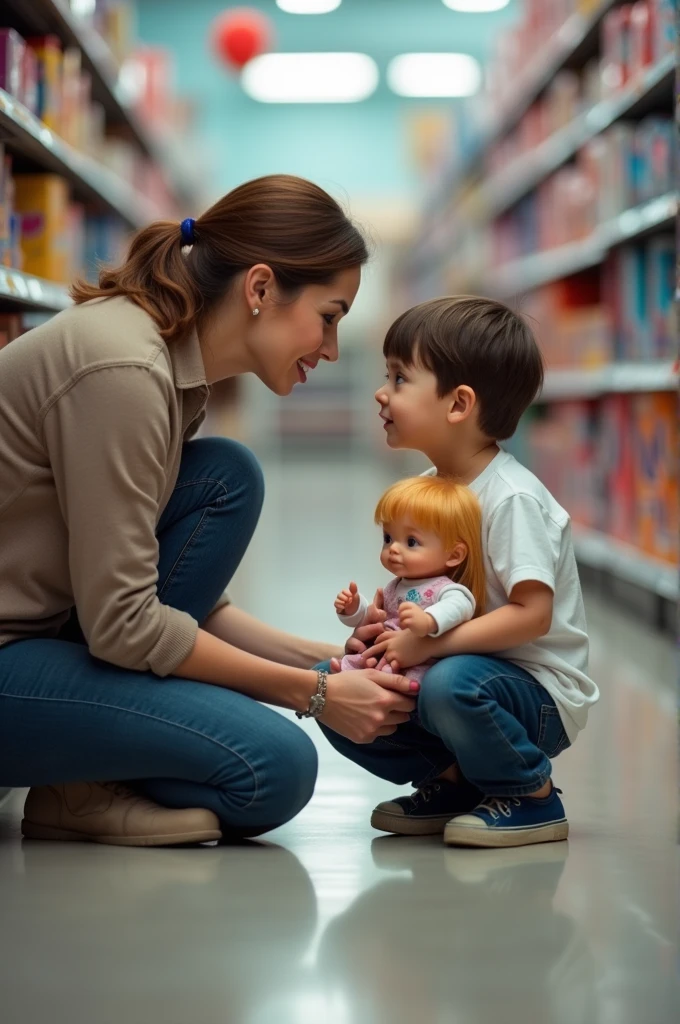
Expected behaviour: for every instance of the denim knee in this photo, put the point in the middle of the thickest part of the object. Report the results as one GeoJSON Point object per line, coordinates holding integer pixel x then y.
{"type": "Point", "coordinates": [235, 465]}
{"type": "Point", "coordinates": [286, 780]}
{"type": "Point", "coordinates": [450, 688]}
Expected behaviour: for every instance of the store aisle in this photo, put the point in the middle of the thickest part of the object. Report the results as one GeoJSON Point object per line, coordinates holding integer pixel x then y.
{"type": "Point", "coordinates": [331, 923]}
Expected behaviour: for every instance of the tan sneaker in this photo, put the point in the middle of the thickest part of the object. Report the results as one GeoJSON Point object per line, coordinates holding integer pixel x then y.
{"type": "Point", "coordinates": [109, 812]}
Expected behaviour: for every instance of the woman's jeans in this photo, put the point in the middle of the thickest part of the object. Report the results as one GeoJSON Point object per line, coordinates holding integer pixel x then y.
{"type": "Point", "coordinates": [487, 715]}
{"type": "Point", "coordinates": [66, 716]}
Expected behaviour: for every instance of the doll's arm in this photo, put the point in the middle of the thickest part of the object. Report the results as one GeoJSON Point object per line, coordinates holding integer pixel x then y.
{"type": "Point", "coordinates": [454, 605]}
{"type": "Point", "coordinates": [351, 606]}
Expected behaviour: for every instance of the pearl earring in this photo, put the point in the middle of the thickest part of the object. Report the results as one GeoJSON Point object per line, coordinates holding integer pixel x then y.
{"type": "Point", "coordinates": [256, 312]}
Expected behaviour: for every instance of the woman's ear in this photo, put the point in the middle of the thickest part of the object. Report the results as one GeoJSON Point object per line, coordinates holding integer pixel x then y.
{"type": "Point", "coordinates": [259, 285]}
{"type": "Point", "coordinates": [458, 555]}
{"type": "Point", "coordinates": [462, 401]}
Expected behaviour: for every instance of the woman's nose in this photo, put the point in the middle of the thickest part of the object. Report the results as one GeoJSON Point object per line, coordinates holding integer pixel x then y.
{"type": "Point", "coordinates": [329, 350]}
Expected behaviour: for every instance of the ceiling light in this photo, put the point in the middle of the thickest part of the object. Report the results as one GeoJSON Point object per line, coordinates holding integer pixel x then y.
{"type": "Point", "coordinates": [476, 6]}
{"type": "Point", "coordinates": [308, 6]}
{"type": "Point", "coordinates": [310, 77]}
{"type": "Point", "coordinates": [434, 74]}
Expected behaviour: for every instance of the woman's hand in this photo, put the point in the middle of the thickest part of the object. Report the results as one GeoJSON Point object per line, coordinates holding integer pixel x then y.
{"type": "Point", "coordinates": [399, 649]}
{"type": "Point", "coordinates": [412, 617]}
{"type": "Point", "coordinates": [347, 601]}
{"type": "Point", "coordinates": [365, 704]}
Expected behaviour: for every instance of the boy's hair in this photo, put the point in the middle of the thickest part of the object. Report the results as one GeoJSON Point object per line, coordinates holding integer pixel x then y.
{"type": "Point", "coordinates": [448, 509]}
{"type": "Point", "coordinates": [469, 340]}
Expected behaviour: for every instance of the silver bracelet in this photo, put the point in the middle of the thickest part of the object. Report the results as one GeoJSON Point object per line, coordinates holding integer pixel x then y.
{"type": "Point", "coordinates": [318, 701]}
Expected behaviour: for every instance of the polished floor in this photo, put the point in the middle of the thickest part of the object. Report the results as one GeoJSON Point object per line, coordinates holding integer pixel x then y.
{"type": "Point", "coordinates": [329, 922]}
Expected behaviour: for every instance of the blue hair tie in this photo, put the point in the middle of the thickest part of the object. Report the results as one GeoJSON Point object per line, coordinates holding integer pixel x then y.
{"type": "Point", "coordinates": [187, 231]}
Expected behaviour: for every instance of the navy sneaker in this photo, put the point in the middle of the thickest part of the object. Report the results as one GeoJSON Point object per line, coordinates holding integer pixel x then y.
{"type": "Point", "coordinates": [510, 821]}
{"type": "Point", "coordinates": [427, 811]}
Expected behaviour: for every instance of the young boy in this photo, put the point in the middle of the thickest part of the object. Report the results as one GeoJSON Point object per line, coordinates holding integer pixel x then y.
{"type": "Point", "coordinates": [512, 690]}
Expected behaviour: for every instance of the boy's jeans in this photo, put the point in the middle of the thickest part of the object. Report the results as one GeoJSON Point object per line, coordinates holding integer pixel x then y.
{"type": "Point", "coordinates": [487, 715]}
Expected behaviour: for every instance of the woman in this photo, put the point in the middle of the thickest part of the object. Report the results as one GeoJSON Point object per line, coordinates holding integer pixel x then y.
{"type": "Point", "coordinates": [119, 658]}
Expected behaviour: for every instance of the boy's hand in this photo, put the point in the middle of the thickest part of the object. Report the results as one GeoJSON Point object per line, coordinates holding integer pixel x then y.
{"type": "Point", "coordinates": [412, 617]}
{"type": "Point", "coordinates": [347, 601]}
{"type": "Point", "coordinates": [400, 649]}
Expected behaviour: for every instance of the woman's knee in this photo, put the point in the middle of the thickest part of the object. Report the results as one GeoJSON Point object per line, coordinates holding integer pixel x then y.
{"type": "Point", "coordinates": [284, 779]}
{"type": "Point", "coordinates": [234, 465]}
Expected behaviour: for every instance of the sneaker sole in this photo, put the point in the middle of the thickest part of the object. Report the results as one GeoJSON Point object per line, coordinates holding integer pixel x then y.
{"type": "Point", "coordinates": [403, 825]}
{"type": "Point", "coordinates": [30, 830]}
{"type": "Point", "coordinates": [460, 835]}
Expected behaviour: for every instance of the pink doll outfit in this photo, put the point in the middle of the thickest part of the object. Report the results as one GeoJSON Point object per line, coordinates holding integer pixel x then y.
{"type": "Point", "coordinates": [448, 603]}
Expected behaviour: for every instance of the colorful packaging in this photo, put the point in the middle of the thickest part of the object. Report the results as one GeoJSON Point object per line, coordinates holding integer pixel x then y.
{"type": "Point", "coordinates": [655, 141]}
{"type": "Point", "coordinates": [70, 95]}
{"type": "Point", "coordinates": [664, 13]}
{"type": "Point", "coordinates": [11, 326]}
{"type": "Point", "coordinates": [42, 200]}
{"type": "Point", "coordinates": [615, 44]}
{"type": "Point", "coordinates": [626, 283]}
{"type": "Point", "coordinates": [616, 456]}
{"type": "Point", "coordinates": [47, 50]}
{"type": "Point", "coordinates": [12, 48]}
{"type": "Point", "coordinates": [660, 270]}
{"type": "Point", "coordinates": [641, 38]}
{"type": "Point", "coordinates": [655, 450]}
{"type": "Point", "coordinates": [29, 80]}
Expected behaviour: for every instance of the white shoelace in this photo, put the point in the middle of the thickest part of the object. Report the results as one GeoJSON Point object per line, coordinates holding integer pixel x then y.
{"type": "Point", "coordinates": [496, 805]}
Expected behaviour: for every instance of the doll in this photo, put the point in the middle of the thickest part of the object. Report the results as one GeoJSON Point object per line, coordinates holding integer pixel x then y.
{"type": "Point", "coordinates": [432, 544]}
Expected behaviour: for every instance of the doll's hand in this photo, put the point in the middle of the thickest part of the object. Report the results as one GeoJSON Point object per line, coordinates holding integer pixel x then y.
{"type": "Point", "coordinates": [347, 601]}
{"type": "Point", "coordinates": [414, 618]}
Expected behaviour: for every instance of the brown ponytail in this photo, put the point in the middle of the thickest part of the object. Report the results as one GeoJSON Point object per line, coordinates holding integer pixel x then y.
{"type": "Point", "coordinates": [288, 223]}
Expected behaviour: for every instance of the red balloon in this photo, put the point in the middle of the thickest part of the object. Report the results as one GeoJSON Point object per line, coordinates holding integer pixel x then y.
{"type": "Point", "coordinates": [240, 34]}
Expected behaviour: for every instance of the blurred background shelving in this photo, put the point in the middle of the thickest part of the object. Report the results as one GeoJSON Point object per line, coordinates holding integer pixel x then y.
{"type": "Point", "coordinates": [564, 202]}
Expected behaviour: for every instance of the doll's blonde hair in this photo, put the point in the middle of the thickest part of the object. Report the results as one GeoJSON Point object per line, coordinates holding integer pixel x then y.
{"type": "Point", "coordinates": [448, 509]}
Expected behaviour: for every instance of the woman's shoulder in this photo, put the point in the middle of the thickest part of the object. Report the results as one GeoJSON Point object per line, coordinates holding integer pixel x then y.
{"type": "Point", "coordinates": [112, 331]}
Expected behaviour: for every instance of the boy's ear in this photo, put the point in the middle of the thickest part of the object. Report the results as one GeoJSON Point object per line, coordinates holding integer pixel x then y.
{"type": "Point", "coordinates": [458, 555]}
{"type": "Point", "coordinates": [462, 401]}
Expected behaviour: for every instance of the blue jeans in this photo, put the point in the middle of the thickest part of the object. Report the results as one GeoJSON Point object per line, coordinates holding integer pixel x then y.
{"type": "Point", "coordinates": [487, 715]}
{"type": "Point", "coordinates": [66, 716]}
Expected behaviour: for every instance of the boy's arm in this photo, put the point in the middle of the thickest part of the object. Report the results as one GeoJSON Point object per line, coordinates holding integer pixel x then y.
{"type": "Point", "coordinates": [527, 617]}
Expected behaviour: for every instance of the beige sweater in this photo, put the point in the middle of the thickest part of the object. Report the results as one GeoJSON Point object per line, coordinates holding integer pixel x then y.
{"type": "Point", "coordinates": [94, 408]}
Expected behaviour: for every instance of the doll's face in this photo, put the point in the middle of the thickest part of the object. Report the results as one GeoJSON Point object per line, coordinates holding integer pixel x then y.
{"type": "Point", "coordinates": [414, 554]}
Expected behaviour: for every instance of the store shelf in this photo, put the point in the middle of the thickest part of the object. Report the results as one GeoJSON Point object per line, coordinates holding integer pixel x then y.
{"type": "Point", "coordinates": [24, 134]}
{"type": "Point", "coordinates": [503, 190]}
{"type": "Point", "coordinates": [599, 551]}
{"type": "Point", "coordinates": [23, 291]}
{"type": "Point", "coordinates": [553, 264]}
{"type": "Point", "coordinates": [42, 17]}
{"type": "Point", "coordinates": [621, 378]}
{"type": "Point", "coordinates": [571, 45]}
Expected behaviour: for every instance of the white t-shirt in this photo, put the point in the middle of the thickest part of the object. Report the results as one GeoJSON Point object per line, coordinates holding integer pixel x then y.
{"type": "Point", "coordinates": [526, 535]}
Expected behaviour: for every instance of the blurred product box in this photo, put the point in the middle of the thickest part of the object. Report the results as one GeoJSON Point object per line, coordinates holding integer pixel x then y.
{"type": "Point", "coordinates": [10, 249]}
{"type": "Point", "coordinates": [29, 80]}
{"type": "Point", "coordinates": [655, 453]}
{"type": "Point", "coordinates": [615, 49]}
{"type": "Point", "coordinates": [664, 31]}
{"type": "Point", "coordinates": [616, 454]}
{"type": "Point", "coordinates": [661, 283]}
{"type": "Point", "coordinates": [12, 48]}
{"type": "Point", "coordinates": [47, 50]}
{"type": "Point", "coordinates": [639, 284]}
{"type": "Point", "coordinates": [104, 244]}
{"type": "Point", "coordinates": [11, 326]}
{"type": "Point", "coordinates": [641, 46]}
{"type": "Point", "coordinates": [42, 202]}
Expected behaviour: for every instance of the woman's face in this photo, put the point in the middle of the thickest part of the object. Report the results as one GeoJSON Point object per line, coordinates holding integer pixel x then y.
{"type": "Point", "coordinates": [288, 338]}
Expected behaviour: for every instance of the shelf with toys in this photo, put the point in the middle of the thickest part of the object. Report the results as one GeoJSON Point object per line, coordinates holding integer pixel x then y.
{"type": "Point", "coordinates": [29, 138]}
{"type": "Point", "coordinates": [103, 44]}
{"type": "Point", "coordinates": [25, 292]}
{"type": "Point", "coordinates": [566, 206]}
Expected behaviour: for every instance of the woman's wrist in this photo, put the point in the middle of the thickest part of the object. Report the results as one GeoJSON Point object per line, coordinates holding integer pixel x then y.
{"type": "Point", "coordinates": [303, 689]}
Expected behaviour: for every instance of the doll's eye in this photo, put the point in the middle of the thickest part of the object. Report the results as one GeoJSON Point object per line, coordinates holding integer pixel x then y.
{"type": "Point", "coordinates": [386, 538]}
{"type": "Point", "coordinates": [412, 542]}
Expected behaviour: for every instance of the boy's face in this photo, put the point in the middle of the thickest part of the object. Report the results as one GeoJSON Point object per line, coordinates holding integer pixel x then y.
{"type": "Point", "coordinates": [413, 413]}
{"type": "Point", "coordinates": [412, 553]}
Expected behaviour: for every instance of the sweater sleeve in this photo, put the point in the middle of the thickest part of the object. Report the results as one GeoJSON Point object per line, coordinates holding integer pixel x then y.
{"type": "Point", "coordinates": [108, 439]}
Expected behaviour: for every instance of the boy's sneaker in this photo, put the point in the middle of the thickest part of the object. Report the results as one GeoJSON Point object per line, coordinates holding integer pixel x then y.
{"type": "Point", "coordinates": [427, 811]}
{"type": "Point", "coordinates": [510, 821]}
